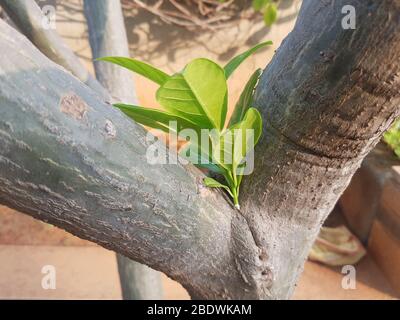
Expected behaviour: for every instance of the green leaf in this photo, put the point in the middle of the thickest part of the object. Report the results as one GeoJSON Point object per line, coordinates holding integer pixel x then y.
{"type": "Point", "coordinates": [236, 142]}
{"type": "Point", "coordinates": [270, 14]}
{"type": "Point", "coordinates": [139, 67]}
{"type": "Point", "coordinates": [196, 155]}
{"type": "Point", "coordinates": [197, 94]}
{"type": "Point", "coordinates": [197, 98]}
{"type": "Point", "coordinates": [211, 167]}
{"type": "Point", "coordinates": [236, 61]}
{"type": "Point", "coordinates": [211, 183]}
{"type": "Point", "coordinates": [238, 147]}
{"type": "Point", "coordinates": [156, 119]}
{"type": "Point", "coordinates": [245, 100]}
{"type": "Point", "coordinates": [259, 4]}
{"type": "Point", "coordinates": [253, 121]}
{"type": "Point", "coordinates": [199, 157]}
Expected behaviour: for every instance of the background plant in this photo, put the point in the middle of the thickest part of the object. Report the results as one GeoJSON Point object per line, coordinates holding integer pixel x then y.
{"type": "Point", "coordinates": [268, 8]}
{"type": "Point", "coordinates": [392, 137]}
{"type": "Point", "coordinates": [197, 98]}
{"type": "Point", "coordinates": [206, 14]}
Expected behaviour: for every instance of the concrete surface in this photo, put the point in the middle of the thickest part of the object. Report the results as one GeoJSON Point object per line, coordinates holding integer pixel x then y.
{"type": "Point", "coordinates": [81, 272]}
{"type": "Point", "coordinates": [91, 273]}
{"type": "Point", "coordinates": [319, 282]}
{"type": "Point", "coordinates": [87, 271]}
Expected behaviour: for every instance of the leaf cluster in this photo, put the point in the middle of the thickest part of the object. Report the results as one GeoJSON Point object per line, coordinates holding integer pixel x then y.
{"type": "Point", "coordinates": [197, 99]}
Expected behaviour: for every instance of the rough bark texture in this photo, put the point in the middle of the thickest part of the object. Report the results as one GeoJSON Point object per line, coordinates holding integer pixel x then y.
{"type": "Point", "coordinates": [30, 19]}
{"type": "Point", "coordinates": [326, 98]}
{"type": "Point", "coordinates": [68, 158]}
{"type": "Point", "coordinates": [107, 36]}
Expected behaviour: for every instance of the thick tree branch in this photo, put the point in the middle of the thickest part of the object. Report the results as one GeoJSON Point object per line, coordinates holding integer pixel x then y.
{"type": "Point", "coordinates": [326, 98]}
{"type": "Point", "coordinates": [28, 17]}
{"type": "Point", "coordinates": [137, 281]}
{"type": "Point", "coordinates": [70, 159]}
{"type": "Point", "coordinates": [107, 35]}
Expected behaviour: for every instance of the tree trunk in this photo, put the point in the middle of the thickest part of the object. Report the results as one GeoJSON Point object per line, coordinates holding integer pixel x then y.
{"type": "Point", "coordinates": [67, 158]}
{"type": "Point", "coordinates": [107, 36]}
{"type": "Point", "coordinates": [326, 98]}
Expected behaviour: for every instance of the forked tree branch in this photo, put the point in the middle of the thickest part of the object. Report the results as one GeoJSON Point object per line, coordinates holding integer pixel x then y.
{"type": "Point", "coordinates": [72, 160]}
{"type": "Point", "coordinates": [326, 98]}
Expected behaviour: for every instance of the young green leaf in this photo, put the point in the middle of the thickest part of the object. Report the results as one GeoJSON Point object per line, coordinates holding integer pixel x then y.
{"type": "Point", "coordinates": [196, 98]}
{"type": "Point", "coordinates": [177, 97]}
{"type": "Point", "coordinates": [194, 153]}
{"type": "Point", "coordinates": [211, 167]}
{"type": "Point", "coordinates": [242, 138]}
{"type": "Point", "coordinates": [252, 121]}
{"type": "Point", "coordinates": [236, 142]}
{"type": "Point", "coordinates": [139, 67]}
{"type": "Point", "coordinates": [270, 14]}
{"type": "Point", "coordinates": [156, 119]}
{"type": "Point", "coordinates": [197, 94]}
{"type": "Point", "coordinates": [245, 100]}
{"type": "Point", "coordinates": [232, 65]}
{"type": "Point", "coordinates": [211, 183]}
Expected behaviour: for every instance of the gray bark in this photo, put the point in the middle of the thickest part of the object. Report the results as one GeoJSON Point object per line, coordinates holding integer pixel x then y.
{"type": "Point", "coordinates": [70, 159]}
{"type": "Point", "coordinates": [326, 98]}
{"type": "Point", "coordinates": [107, 36]}
{"type": "Point", "coordinates": [66, 157]}
{"type": "Point", "coordinates": [29, 18]}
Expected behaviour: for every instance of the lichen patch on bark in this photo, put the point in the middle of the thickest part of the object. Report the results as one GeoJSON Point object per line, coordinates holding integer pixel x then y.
{"type": "Point", "coordinates": [109, 129]}
{"type": "Point", "coordinates": [73, 105]}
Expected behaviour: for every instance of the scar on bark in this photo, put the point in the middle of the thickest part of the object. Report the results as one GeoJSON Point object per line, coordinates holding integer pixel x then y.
{"type": "Point", "coordinates": [73, 105]}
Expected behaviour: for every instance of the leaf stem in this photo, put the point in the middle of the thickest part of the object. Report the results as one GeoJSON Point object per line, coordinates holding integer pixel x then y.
{"type": "Point", "coordinates": [236, 199]}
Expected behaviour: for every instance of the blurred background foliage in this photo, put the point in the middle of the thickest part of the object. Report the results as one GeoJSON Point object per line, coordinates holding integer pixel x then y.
{"type": "Point", "coordinates": [207, 14]}
{"type": "Point", "coordinates": [392, 137]}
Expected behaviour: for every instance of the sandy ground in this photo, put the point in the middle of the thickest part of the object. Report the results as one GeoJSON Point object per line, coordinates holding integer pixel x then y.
{"type": "Point", "coordinates": [87, 271]}
{"type": "Point", "coordinates": [27, 244]}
